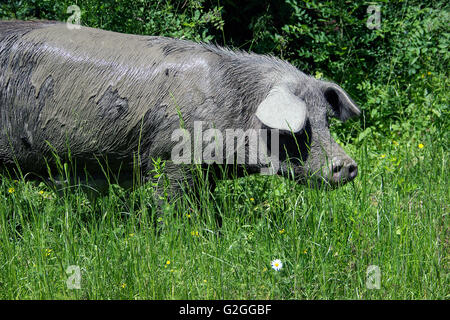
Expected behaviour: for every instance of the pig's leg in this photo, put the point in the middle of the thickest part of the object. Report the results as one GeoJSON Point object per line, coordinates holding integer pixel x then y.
{"type": "Point", "coordinates": [177, 180]}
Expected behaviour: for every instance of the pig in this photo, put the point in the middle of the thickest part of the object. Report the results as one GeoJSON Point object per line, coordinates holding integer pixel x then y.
{"type": "Point", "coordinates": [110, 103]}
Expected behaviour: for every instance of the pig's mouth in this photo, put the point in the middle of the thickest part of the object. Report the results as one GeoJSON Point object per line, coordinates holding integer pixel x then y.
{"type": "Point", "coordinates": [325, 177]}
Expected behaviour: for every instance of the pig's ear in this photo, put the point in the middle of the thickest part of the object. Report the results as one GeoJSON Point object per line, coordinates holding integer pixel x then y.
{"type": "Point", "coordinates": [282, 110]}
{"type": "Point", "coordinates": [342, 105]}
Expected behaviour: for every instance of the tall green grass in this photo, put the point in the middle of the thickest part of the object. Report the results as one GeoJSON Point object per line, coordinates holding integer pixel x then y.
{"type": "Point", "coordinates": [394, 215]}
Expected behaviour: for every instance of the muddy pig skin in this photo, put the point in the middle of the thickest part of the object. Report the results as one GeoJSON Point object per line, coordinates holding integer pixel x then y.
{"type": "Point", "coordinates": [112, 100]}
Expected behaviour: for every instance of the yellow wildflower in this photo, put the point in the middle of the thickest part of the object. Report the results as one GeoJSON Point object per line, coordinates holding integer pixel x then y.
{"type": "Point", "coordinates": [194, 233]}
{"type": "Point", "coordinates": [420, 146]}
{"type": "Point", "coordinates": [11, 190]}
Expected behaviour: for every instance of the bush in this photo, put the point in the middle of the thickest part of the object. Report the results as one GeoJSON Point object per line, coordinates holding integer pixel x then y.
{"type": "Point", "coordinates": [397, 73]}
{"type": "Point", "coordinates": [182, 19]}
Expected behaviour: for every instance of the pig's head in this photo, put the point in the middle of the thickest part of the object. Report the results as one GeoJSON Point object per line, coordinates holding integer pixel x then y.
{"type": "Point", "coordinates": [301, 112]}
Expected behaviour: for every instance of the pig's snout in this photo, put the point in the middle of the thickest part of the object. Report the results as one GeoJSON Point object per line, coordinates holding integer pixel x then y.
{"type": "Point", "coordinates": [343, 170]}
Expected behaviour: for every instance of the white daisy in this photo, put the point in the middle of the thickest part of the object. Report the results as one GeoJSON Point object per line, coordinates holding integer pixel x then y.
{"type": "Point", "coordinates": [277, 264]}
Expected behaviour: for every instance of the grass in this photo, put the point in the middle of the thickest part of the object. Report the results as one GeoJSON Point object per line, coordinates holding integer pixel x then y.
{"type": "Point", "coordinates": [395, 216]}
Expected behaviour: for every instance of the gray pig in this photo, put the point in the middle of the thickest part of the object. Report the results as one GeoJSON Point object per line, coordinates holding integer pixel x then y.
{"type": "Point", "coordinates": [105, 97]}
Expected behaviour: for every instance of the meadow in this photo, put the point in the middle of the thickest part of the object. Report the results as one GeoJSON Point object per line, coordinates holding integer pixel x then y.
{"type": "Point", "coordinates": [59, 243]}
{"type": "Point", "coordinates": [395, 216]}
